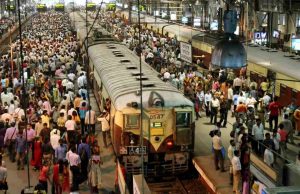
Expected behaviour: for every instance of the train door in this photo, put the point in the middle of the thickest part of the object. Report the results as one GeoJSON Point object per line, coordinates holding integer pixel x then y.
{"type": "Point", "coordinates": [296, 97]}
{"type": "Point", "coordinates": [285, 95]}
{"type": "Point", "coordinates": [257, 77]}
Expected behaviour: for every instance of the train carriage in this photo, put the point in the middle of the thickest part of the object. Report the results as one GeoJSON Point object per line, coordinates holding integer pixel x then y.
{"type": "Point", "coordinates": [167, 116]}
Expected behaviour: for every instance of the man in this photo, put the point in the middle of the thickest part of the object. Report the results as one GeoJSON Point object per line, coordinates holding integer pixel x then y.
{"type": "Point", "coordinates": [230, 154]}
{"type": "Point", "coordinates": [258, 134]}
{"type": "Point", "coordinates": [288, 126]}
{"type": "Point", "coordinates": [10, 141]}
{"type": "Point", "coordinates": [269, 156]}
{"type": "Point", "coordinates": [283, 137]}
{"type": "Point", "coordinates": [236, 170]}
{"type": "Point", "coordinates": [237, 84]}
{"type": "Point", "coordinates": [214, 105]}
{"type": "Point", "coordinates": [45, 133]}
{"type": "Point", "coordinates": [84, 152]}
{"type": "Point", "coordinates": [207, 100]}
{"type": "Point", "coordinates": [20, 149]}
{"type": "Point", "coordinates": [60, 151]}
{"type": "Point", "coordinates": [229, 97]}
{"type": "Point", "coordinates": [71, 126]}
{"type": "Point", "coordinates": [223, 111]}
{"type": "Point", "coordinates": [217, 146]}
{"type": "Point", "coordinates": [54, 137]}
{"type": "Point", "coordinates": [90, 120]}
{"type": "Point", "coordinates": [104, 119]}
{"type": "Point", "coordinates": [274, 108]}
{"type": "Point", "coordinates": [74, 161]}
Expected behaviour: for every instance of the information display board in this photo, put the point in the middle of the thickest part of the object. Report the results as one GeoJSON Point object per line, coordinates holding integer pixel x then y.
{"type": "Point", "coordinates": [186, 52]}
{"type": "Point", "coordinates": [41, 7]}
{"type": "Point", "coordinates": [91, 6]}
{"type": "Point", "coordinates": [59, 7]}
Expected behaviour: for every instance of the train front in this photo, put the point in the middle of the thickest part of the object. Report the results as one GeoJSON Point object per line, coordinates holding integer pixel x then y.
{"type": "Point", "coordinates": [168, 128]}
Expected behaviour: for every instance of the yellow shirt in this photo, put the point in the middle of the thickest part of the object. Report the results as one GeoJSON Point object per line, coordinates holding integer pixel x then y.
{"type": "Point", "coordinates": [264, 86]}
{"type": "Point", "coordinates": [45, 119]}
{"type": "Point", "coordinates": [77, 102]}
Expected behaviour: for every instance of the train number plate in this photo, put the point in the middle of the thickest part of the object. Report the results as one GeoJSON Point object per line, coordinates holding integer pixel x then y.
{"type": "Point", "coordinates": [136, 150]}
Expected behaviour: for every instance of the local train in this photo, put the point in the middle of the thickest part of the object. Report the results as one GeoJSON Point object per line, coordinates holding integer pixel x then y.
{"type": "Point", "coordinates": [166, 121]}
{"type": "Point", "coordinates": [162, 131]}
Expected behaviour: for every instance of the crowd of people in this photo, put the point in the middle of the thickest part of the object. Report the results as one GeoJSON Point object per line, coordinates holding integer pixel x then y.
{"type": "Point", "coordinates": [45, 109]}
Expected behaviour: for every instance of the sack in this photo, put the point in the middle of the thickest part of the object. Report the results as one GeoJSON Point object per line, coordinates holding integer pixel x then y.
{"type": "Point", "coordinates": [223, 152]}
{"type": "Point", "coordinates": [83, 155]}
{"type": "Point", "coordinates": [4, 186]}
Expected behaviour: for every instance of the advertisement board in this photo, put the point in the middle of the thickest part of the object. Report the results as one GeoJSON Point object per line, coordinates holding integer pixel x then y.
{"type": "Point", "coordinates": [186, 52]}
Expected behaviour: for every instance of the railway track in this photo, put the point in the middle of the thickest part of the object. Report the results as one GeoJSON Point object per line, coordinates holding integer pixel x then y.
{"type": "Point", "coordinates": [177, 186]}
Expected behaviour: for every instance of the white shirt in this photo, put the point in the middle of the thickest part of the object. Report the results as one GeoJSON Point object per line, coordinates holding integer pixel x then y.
{"type": "Point", "coordinates": [54, 140]}
{"type": "Point", "coordinates": [250, 102]}
{"type": "Point", "coordinates": [104, 122]}
{"type": "Point", "coordinates": [70, 125]}
{"type": "Point", "coordinates": [73, 158]}
{"type": "Point", "coordinates": [215, 103]}
{"type": "Point", "coordinates": [71, 76]}
{"type": "Point", "coordinates": [258, 132]}
{"type": "Point", "coordinates": [230, 93]}
{"type": "Point", "coordinates": [268, 157]}
{"type": "Point", "coordinates": [241, 99]}
{"type": "Point", "coordinates": [167, 75]}
{"type": "Point", "coordinates": [90, 117]}
{"type": "Point", "coordinates": [217, 142]}
{"type": "Point", "coordinates": [236, 164]}
{"type": "Point", "coordinates": [207, 98]}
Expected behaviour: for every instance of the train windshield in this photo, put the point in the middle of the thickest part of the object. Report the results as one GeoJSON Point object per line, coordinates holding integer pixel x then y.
{"type": "Point", "coordinates": [132, 121]}
{"type": "Point", "coordinates": [183, 119]}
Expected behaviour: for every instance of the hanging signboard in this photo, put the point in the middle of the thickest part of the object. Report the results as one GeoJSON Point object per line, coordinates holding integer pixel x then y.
{"type": "Point", "coordinates": [91, 6]}
{"type": "Point", "coordinates": [59, 7]}
{"type": "Point", "coordinates": [186, 52]}
{"type": "Point", "coordinates": [184, 20]}
{"type": "Point", "coordinates": [41, 7]}
{"type": "Point", "coordinates": [11, 8]}
{"type": "Point", "coordinates": [111, 7]}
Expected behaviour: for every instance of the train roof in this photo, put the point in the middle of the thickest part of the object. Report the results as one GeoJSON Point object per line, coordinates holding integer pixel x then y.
{"type": "Point", "coordinates": [118, 68]}
{"type": "Point", "coordinates": [80, 25]}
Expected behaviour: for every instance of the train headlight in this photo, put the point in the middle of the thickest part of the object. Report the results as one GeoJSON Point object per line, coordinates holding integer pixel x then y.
{"type": "Point", "coordinates": [170, 144]}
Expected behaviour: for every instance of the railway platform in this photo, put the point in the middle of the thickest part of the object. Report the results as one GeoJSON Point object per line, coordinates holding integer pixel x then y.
{"type": "Point", "coordinates": [215, 181]}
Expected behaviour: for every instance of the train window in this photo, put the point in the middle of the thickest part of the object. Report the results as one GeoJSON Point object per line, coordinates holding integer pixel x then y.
{"type": "Point", "coordinates": [132, 121]}
{"type": "Point", "coordinates": [183, 119]}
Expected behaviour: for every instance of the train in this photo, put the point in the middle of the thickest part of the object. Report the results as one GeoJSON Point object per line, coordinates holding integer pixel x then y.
{"type": "Point", "coordinates": [158, 138]}
{"type": "Point", "coordinates": [166, 122]}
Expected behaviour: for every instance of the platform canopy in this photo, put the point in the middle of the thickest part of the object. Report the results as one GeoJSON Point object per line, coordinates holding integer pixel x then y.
{"type": "Point", "coordinates": [229, 54]}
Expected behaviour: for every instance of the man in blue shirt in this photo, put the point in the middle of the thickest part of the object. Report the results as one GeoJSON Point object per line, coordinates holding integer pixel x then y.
{"type": "Point", "coordinates": [20, 149]}
{"type": "Point", "coordinates": [84, 152]}
{"type": "Point", "coordinates": [60, 151]}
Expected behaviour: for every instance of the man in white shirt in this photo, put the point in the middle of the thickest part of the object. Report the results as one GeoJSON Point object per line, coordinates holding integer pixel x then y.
{"type": "Point", "coordinates": [237, 84]}
{"type": "Point", "coordinates": [269, 156]}
{"type": "Point", "coordinates": [207, 100]}
{"type": "Point", "coordinates": [104, 119]}
{"type": "Point", "coordinates": [166, 76]}
{"type": "Point", "coordinates": [74, 161]}
{"type": "Point", "coordinates": [230, 154]}
{"type": "Point", "coordinates": [236, 170]}
{"type": "Point", "coordinates": [214, 105]}
{"type": "Point", "coordinates": [90, 120]}
{"type": "Point", "coordinates": [258, 134]}
{"type": "Point", "coordinates": [217, 146]}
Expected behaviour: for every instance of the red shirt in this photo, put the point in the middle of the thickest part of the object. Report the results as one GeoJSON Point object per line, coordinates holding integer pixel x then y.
{"type": "Point", "coordinates": [274, 108]}
{"type": "Point", "coordinates": [283, 135]}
